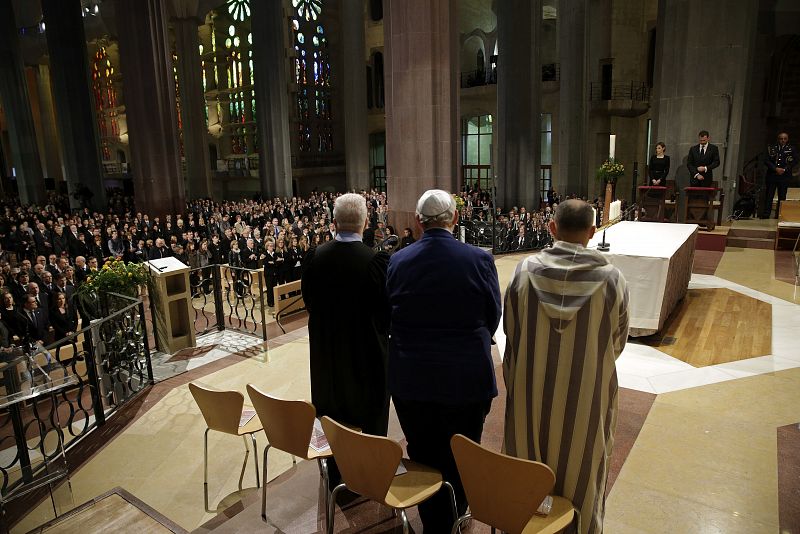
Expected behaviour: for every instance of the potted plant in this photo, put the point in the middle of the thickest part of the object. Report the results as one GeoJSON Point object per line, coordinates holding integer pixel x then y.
{"type": "Point", "coordinates": [609, 172]}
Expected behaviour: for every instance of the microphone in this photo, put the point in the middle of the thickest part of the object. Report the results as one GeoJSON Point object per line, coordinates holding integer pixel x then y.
{"type": "Point", "coordinates": [605, 246]}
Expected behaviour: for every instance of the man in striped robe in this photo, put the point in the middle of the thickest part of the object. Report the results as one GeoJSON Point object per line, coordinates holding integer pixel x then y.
{"type": "Point", "coordinates": [566, 322]}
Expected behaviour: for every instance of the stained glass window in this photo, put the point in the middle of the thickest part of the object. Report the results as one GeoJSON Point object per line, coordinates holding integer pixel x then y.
{"type": "Point", "coordinates": [105, 98]}
{"type": "Point", "coordinates": [312, 75]}
{"type": "Point", "coordinates": [239, 9]}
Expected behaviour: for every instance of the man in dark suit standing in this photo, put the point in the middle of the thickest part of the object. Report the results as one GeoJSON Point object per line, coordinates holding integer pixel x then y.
{"type": "Point", "coordinates": [344, 288]}
{"type": "Point", "coordinates": [444, 298]}
{"type": "Point", "coordinates": [702, 160]}
{"type": "Point", "coordinates": [32, 322]}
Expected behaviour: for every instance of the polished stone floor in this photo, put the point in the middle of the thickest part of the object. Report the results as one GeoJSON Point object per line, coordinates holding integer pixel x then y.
{"type": "Point", "coordinates": [699, 448]}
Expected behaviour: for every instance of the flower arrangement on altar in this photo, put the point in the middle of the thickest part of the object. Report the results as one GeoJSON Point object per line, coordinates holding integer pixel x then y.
{"type": "Point", "coordinates": [459, 203]}
{"type": "Point", "coordinates": [117, 276]}
{"type": "Point", "coordinates": [610, 171]}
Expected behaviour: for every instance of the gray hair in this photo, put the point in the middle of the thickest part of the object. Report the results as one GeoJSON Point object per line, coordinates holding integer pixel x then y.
{"type": "Point", "coordinates": [350, 212]}
{"type": "Point", "coordinates": [574, 216]}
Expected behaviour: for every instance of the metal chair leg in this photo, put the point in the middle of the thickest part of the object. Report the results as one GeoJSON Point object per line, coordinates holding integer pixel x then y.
{"type": "Point", "coordinates": [244, 464]}
{"type": "Point", "coordinates": [404, 518]}
{"type": "Point", "coordinates": [460, 521]}
{"type": "Point", "coordinates": [205, 467]}
{"type": "Point", "coordinates": [452, 499]}
{"type": "Point", "coordinates": [255, 458]}
{"type": "Point", "coordinates": [323, 467]}
{"type": "Point", "coordinates": [332, 506]}
{"type": "Point", "coordinates": [264, 487]}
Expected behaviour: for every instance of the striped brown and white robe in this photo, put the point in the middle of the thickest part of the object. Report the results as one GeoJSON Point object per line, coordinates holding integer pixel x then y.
{"type": "Point", "coordinates": [566, 322]}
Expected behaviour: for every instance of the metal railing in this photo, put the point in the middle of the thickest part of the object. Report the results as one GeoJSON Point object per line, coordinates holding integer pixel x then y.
{"type": "Point", "coordinates": [229, 298]}
{"type": "Point", "coordinates": [551, 72]}
{"type": "Point", "coordinates": [501, 233]}
{"type": "Point", "coordinates": [110, 363]}
{"type": "Point", "coordinates": [635, 91]}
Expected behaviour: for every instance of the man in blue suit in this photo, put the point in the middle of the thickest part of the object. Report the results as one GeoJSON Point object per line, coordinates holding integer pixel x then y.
{"type": "Point", "coordinates": [445, 306]}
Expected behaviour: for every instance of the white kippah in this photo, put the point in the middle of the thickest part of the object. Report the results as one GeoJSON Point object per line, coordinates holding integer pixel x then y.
{"type": "Point", "coordinates": [434, 202]}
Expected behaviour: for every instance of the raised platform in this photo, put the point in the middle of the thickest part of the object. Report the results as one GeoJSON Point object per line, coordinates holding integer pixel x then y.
{"type": "Point", "coordinates": [716, 239]}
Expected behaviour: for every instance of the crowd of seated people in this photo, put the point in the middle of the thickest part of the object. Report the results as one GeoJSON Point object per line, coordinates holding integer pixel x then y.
{"type": "Point", "coordinates": [513, 231]}
{"type": "Point", "coordinates": [45, 244]}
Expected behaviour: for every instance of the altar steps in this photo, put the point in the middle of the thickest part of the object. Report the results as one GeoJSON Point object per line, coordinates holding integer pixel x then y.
{"type": "Point", "coordinates": [751, 238]}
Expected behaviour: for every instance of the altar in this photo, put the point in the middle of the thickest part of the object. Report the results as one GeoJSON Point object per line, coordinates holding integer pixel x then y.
{"type": "Point", "coordinates": [656, 261]}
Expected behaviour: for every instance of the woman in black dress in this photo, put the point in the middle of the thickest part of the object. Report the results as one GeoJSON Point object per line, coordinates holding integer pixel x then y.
{"type": "Point", "coordinates": [658, 169]}
{"type": "Point", "coordinates": [62, 318]}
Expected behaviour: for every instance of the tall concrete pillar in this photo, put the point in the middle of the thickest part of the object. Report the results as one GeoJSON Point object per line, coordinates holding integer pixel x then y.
{"type": "Point", "coordinates": [519, 82]}
{"type": "Point", "coordinates": [51, 160]}
{"type": "Point", "coordinates": [713, 89]}
{"type": "Point", "coordinates": [69, 72]}
{"type": "Point", "coordinates": [573, 99]}
{"type": "Point", "coordinates": [16, 103]}
{"type": "Point", "coordinates": [150, 106]}
{"type": "Point", "coordinates": [268, 23]}
{"type": "Point", "coordinates": [422, 102]}
{"type": "Point", "coordinates": [190, 81]}
{"type": "Point", "coordinates": [354, 93]}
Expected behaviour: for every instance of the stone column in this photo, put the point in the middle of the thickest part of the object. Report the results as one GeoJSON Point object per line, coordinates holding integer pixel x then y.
{"type": "Point", "coordinates": [150, 106]}
{"type": "Point", "coordinates": [190, 81]}
{"type": "Point", "coordinates": [69, 72]}
{"type": "Point", "coordinates": [712, 91]}
{"type": "Point", "coordinates": [51, 158]}
{"type": "Point", "coordinates": [269, 25]}
{"type": "Point", "coordinates": [16, 103]}
{"type": "Point", "coordinates": [519, 81]}
{"type": "Point", "coordinates": [422, 106]}
{"type": "Point", "coordinates": [572, 116]}
{"type": "Point", "coordinates": [354, 93]}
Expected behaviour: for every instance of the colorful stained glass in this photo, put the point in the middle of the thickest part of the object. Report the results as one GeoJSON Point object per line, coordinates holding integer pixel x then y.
{"type": "Point", "coordinates": [105, 96]}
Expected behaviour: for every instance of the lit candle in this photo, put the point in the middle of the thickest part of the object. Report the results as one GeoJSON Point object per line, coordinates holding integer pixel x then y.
{"type": "Point", "coordinates": [614, 210]}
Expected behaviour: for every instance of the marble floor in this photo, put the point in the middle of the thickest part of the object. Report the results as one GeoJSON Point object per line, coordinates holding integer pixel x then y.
{"type": "Point", "coordinates": [700, 449]}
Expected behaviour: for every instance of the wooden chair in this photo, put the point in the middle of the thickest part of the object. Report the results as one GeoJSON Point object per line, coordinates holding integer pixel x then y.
{"type": "Point", "coordinates": [719, 202]}
{"type": "Point", "coordinates": [671, 202]}
{"type": "Point", "coordinates": [289, 428]}
{"type": "Point", "coordinates": [505, 492]}
{"type": "Point", "coordinates": [368, 465]}
{"type": "Point", "coordinates": [222, 411]}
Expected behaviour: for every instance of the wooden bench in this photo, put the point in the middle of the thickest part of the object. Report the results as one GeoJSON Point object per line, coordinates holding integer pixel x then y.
{"type": "Point", "coordinates": [288, 299]}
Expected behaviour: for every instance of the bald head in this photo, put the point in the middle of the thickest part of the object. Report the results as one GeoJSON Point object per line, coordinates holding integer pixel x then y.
{"type": "Point", "coordinates": [573, 222]}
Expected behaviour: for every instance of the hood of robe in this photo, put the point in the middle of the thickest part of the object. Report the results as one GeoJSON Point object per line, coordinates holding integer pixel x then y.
{"type": "Point", "coordinates": [565, 277]}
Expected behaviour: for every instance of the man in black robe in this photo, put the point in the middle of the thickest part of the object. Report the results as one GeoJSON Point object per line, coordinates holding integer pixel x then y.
{"type": "Point", "coordinates": [344, 288]}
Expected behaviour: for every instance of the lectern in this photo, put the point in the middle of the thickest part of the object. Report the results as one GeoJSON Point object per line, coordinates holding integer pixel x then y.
{"type": "Point", "coordinates": [172, 302]}
{"type": "Point", "coordinates": [652, 199]}
{"type": "Point", "coordinates": [699, 208]}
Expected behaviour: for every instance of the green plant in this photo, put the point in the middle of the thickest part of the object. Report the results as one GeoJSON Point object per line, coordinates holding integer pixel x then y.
{"type": "Point", "coordinates": [117, 277]}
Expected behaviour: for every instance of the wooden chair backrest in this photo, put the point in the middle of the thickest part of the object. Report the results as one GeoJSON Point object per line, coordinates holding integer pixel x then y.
{"type": "Point", "coordinates": [793, 193]}
{"type": "Point", "coordinates": [367, 463]}
{"type": "Point", "coordinates": [287, 423]}
{"type": "Point", "coordinates": [221, 410]}
{"type": "Point", "coordinates": [502, 491]}
{"type": "Point", "coordinates": [790, 211]}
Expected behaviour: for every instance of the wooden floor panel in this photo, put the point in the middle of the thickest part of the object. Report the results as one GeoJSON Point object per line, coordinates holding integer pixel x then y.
{"type": "Point", "coordinates": [713, 326]}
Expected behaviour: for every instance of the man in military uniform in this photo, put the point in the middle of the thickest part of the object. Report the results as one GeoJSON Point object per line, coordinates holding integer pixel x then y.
{"type": "Point", "coordinates": [781, 159]}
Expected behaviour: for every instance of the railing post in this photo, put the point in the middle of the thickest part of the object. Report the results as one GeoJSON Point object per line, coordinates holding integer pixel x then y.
{"type": "Point", "coordinates": [94, 359]}
{"type": "Point", "coordinates": [260, 276]}
{"type": "Point", "coordinates": [218, 308]}
{"type": "Point", "coordinates": [146, 344]}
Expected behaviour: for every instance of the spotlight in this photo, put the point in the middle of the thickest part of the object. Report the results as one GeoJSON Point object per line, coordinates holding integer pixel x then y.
{"type": "Point", "coordinates": [41, 27]}
{"type": "Point", "coordinates": [96, 9]}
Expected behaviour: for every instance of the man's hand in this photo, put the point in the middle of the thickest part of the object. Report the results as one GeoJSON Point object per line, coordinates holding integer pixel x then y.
{"type": "Point", "coordinates": [779, 171]}
{"type": "Point", "coordinates": [702, 169]}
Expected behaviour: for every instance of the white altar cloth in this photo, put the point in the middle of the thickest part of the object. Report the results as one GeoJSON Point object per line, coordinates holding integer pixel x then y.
{"type": "Point", "coordinates": [656, 261]}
